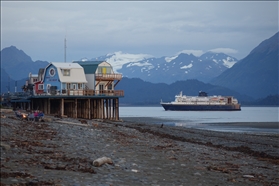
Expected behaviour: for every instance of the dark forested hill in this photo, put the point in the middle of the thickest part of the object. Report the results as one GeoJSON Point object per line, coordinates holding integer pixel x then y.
{"type": "Point", "coordinates": [139, 92]}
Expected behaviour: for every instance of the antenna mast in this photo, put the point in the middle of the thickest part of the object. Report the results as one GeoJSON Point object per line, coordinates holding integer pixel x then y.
{"type": "Point", "coordinates": [65, 46]}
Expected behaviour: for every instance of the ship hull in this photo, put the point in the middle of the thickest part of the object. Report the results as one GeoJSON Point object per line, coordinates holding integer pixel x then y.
{"type": "Point", "coordinates": [182, 107]}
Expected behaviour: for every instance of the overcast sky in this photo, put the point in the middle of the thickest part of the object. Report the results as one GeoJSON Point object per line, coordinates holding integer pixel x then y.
{"type": "Point", "coordinates": [156, 28]}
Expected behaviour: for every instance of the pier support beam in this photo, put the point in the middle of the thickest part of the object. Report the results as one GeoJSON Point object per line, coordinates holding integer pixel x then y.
{"type": "Point", "coordinates": [62, 107]}
{"type": "Point", "coordinates": [75, 109]}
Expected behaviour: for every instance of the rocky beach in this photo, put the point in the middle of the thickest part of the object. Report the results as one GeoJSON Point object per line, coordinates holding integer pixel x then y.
{"type": "Point", "coordinates": [61, 151]}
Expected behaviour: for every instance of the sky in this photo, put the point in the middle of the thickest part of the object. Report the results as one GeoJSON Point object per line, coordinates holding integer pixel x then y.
{"type": "Point", "coordinates": [153, 28]}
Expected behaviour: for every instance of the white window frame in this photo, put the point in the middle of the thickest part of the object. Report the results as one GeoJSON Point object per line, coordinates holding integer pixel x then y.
{"type": "Point", "coordinates": [66, 72]}
{"type": "Point", "coordinates": [40, 86]}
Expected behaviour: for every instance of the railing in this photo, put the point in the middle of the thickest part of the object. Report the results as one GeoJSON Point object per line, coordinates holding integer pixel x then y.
{"type": "Point", "coordinates": [86, 92]}
{"type": "Point", "coordinates": [108, 77]}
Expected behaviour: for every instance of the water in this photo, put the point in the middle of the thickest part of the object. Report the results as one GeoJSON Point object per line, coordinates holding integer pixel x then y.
{"type": "Point", "coordinates": [256, 118]}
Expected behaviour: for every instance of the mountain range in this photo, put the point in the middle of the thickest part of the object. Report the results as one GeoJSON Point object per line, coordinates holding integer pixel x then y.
{"type": "Point", "coordinates": [18, 64]}
{"type": "Point", "coordinates": [251, 78]}
{"type": "Point", "coordinates": [182, 66]}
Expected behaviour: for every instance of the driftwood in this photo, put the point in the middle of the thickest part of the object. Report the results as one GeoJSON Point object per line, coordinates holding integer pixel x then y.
{"type": "Point", "coordinates": [95, 124]}
{"type": "Point", "coordinates": [6, 110]}
{"type": "Point", "coordinates": [100, 161]}
{"type": "Point", "coordinates": [72, 123]}
{"type": "Point", "coordinates": [83, 121]}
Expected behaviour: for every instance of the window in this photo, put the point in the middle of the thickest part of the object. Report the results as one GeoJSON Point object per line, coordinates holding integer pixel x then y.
{"type": "Point", "coordinates": [66, 72]}
{"type": "Point", "coordinates": [104, 70]}
{"type": "Point", "coordinates": [108, 70]}
{"type": "Point", "coordinates": [101, 87]}
{"type": "Point", "coordinates": [79, 85]}
{"type": "Point", "coordinates": [68, 85]}
{"type": "Point", "coordinates": [52, 72]}
{"type": "Point", "coordinates": [41, 87]}
{"type": "Point", "coordinates": [35, 80]}
{"type": "Point", "coordinates": [74, 86]}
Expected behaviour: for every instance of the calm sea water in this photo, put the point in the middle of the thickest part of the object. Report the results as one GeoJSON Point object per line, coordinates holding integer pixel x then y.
{"type": "Point", "coordinates": [211, 120]}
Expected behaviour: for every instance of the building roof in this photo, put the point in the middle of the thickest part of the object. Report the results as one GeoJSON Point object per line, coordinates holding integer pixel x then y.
{"type": "Point", "coordinates": [90, 67]}
{"type": "Point", "coordinates": [76, 75]}
{"type": "Point", "coordinates": [66, 65]}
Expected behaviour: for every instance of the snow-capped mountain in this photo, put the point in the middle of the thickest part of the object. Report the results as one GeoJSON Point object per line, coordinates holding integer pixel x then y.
{"type": "Point", "coordinates": [222, 58]}
{"type": "Point", "coordinates": [118, 59]}
{"type": "Point", "coordinates": [170, 69]}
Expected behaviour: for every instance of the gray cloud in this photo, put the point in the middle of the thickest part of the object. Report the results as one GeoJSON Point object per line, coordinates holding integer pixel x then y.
{"type": "Point", "coordinates": [156, 28]}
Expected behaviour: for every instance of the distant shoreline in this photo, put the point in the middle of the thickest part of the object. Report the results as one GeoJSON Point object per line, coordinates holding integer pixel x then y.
{"type": "Point", "coordinates": [158, 105]}
{"type": "Point", "coordinates": [222, 126]}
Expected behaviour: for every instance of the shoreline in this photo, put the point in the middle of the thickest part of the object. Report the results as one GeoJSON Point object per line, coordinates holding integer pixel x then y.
{"type": "Point", "coordinates": [62, 152]}
{"type": "Point", "coordinates": [217, 126]}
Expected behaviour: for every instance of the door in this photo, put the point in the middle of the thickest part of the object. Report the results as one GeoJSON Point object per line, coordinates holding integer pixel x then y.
{"type": "Point", "coordinates": [104, 70]}
{"type": "Point", "coordinates": [48, 88]}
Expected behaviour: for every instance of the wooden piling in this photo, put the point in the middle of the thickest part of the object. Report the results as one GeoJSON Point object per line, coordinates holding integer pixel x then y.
{"type": "Point", "coordinates": [87, 108]}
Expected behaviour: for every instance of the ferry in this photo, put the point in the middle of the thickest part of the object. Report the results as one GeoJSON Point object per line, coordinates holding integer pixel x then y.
{"type": "Point", "coordinates": [202, 102]}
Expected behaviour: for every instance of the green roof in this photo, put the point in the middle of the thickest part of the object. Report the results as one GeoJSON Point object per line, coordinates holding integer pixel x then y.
{"type": "Point", "coordinates": [89, 67]}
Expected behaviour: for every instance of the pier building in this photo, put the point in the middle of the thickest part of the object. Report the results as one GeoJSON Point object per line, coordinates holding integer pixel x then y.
{"type": "Point", "coordinates": [78, 90]}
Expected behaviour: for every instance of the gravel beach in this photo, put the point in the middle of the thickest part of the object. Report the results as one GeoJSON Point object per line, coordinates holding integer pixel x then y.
{"type": "Point", "coordinates": [61, 152]}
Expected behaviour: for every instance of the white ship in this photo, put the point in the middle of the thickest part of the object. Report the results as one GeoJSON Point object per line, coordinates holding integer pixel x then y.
{"type": "Point", "coordinates": [202, 102]}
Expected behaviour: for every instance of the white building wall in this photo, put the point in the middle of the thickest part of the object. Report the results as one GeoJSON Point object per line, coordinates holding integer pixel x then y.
{"type": "Point", "coordinates": [90, 81]}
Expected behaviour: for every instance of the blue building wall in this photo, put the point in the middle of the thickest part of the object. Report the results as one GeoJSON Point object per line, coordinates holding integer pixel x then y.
{"type": "Point", "coordinates": [51, 78]}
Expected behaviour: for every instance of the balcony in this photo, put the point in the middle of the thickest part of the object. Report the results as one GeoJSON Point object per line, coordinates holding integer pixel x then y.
{"type": "Point", "coordinates": [108, 77]}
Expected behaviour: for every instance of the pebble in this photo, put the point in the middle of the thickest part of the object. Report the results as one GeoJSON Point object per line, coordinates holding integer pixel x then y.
{"type": "Point", "coordinates": [248, 176]}
{"type": "Point", "coordinates": [197, 174]}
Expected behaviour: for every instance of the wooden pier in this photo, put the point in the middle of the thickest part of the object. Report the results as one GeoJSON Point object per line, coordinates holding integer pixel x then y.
{"type": "Point", "coordinates": [100, 105]}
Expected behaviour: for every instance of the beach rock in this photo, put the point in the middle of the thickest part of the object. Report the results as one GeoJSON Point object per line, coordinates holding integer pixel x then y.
{"type": "Point", "coordinates": [5, 146]}
{"type": "Point", "coordinates": [47, 119]}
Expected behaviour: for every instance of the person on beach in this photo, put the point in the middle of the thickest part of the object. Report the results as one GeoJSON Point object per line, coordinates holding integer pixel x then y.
{"type": "Point", "coordinates": [36, 115]}
{"type": "Point", "coordinates": [41, 115]}
{"type": "Point", "coordinates": [31, 116]}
